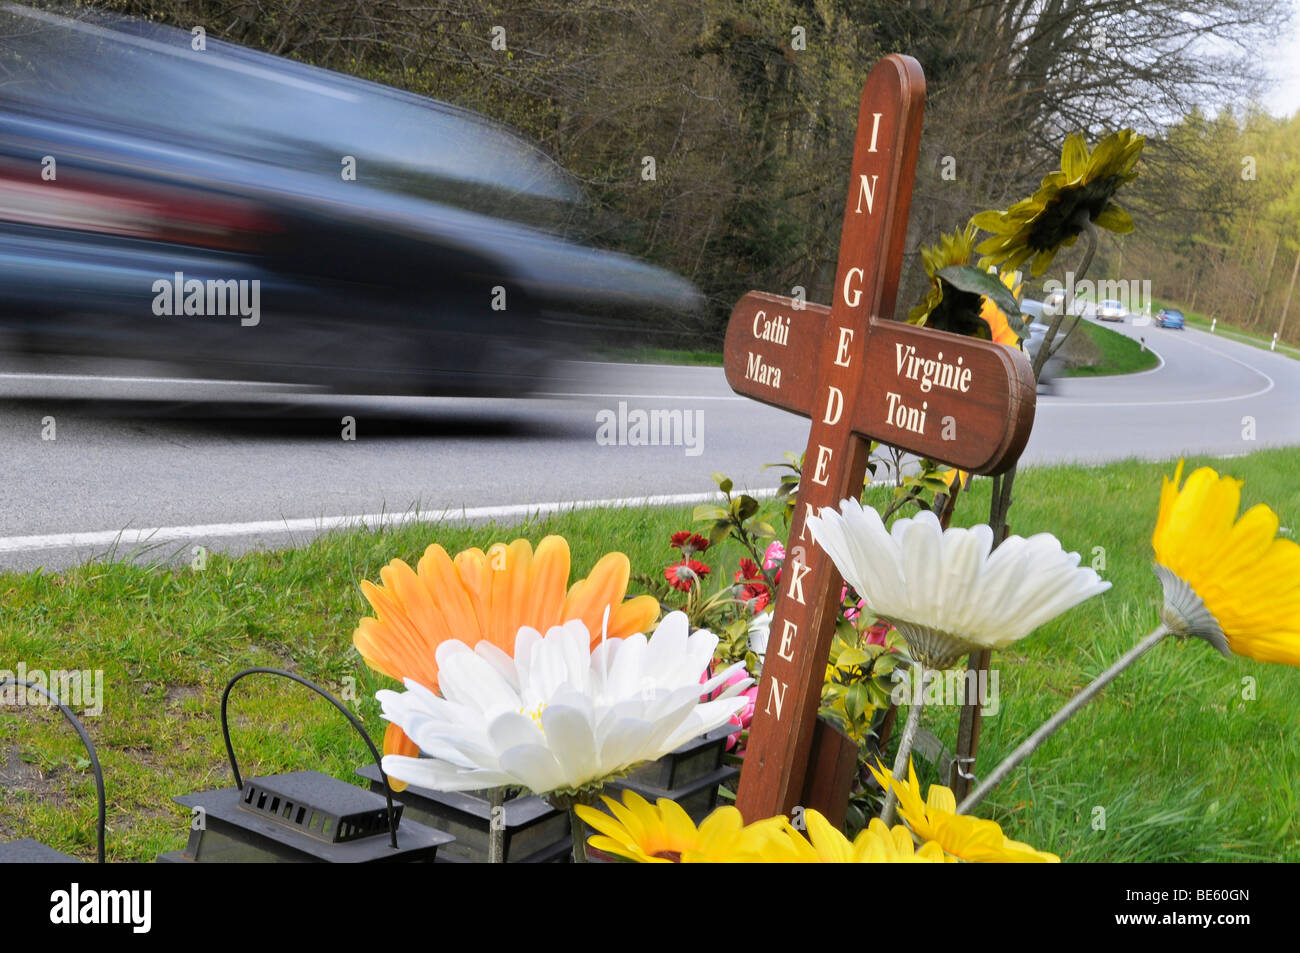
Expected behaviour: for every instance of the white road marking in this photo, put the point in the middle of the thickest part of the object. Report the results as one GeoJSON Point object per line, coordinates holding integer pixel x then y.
{"type": "Point", "coordinates": [130, 538]}
{"type": "Point", "coordinates": [1066, 402]}
{"type": "Point", "coordinates": [678, 397]}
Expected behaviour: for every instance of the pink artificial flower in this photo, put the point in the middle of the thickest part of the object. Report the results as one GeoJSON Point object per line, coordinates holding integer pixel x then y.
{"type": "Point", "coordinates": [876, 634]}
{"type": "Point", "coordinates": [774, 555]}
{"type": "Point", "coordinates": [743, 718]}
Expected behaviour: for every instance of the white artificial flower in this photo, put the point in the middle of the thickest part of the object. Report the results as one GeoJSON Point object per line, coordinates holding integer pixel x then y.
{"type": "Point", "coordinates": [760, 630]}
{"type": "Point", "coordinates": [559, 716]}
{"type": "Point", "coordinates": [948, 591]}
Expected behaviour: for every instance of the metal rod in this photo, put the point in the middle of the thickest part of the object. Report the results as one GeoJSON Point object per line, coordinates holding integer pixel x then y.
{"type": "Point", "coordinates": [576, 829]}
{"type": "Point", "coordinates": [497, 826]}
{"type": "Point", "coordinates": [1049, 727]}
{"type": "Point", "coordinates": [101, 818]}
{"type": "Point", "coordinates": [905, 748]}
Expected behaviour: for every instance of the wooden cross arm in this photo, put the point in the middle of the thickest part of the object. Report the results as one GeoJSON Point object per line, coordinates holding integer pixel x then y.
{"type": "Point", "coordinates": [959, 400]}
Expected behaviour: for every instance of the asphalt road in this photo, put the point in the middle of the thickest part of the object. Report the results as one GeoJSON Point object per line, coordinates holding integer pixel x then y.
{"type": "Point", "coordinates": [164, 465]}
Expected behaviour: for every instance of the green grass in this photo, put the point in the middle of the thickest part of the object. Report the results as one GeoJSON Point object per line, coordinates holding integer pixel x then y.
{"type": "Point", "coordinates": [1117, 354]}
{"type": "Point", "coordinates": [1236, 334]}
{"type": "Point", "coordinates": [1185, 768]}
{"type": "Point", "coordinates": [658, 355]}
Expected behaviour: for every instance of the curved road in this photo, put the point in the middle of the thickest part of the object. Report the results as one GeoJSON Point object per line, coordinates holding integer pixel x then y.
{"type": "Point", "coordinates": [232, 466]}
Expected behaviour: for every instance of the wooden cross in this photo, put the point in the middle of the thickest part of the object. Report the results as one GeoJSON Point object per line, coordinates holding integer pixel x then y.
{"type": "Point", "coordinates": [859, 376]}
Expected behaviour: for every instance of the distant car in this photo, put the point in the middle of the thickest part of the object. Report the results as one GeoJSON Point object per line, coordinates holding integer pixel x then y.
{"type": "Point", "coordinates": [347, 235]}
{"type": "Point", "coordinates": [1170, 318]}
{"type": "Point", "coordinates": [1033, 313]}
{"type": "Point", "coordinates": [1111, 310]}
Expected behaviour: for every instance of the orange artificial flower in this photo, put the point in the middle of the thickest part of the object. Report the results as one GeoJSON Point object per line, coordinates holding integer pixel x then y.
{"type": "Point", "coordinates": [480, 596]}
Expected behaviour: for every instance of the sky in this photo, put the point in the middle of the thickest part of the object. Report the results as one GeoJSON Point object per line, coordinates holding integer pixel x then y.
{"type": "Point", "coordinates": [1283, 100]}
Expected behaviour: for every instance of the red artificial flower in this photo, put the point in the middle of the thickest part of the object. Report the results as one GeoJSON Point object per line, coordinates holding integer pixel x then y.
{"type": "Point", "coordinates": [689, 543]}
{"type": "Point", "coordinates": [681, 576]}
{"type": "Point", "coordinates": [755, 590]}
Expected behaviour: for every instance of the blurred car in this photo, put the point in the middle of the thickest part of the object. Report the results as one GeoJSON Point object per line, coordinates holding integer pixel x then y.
{"type": "Point", "coordinates": [1170, 318]}
{"type": "Point", "coordinates": [1037, 316]}
{"type": "Point", "coordinates": [247, 216]}
{"type": "Point", "coordinates": [1111, 310]}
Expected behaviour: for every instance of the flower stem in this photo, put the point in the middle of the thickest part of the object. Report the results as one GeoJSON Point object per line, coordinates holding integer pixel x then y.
{"type": "Point", "coordinates": [497, 826]}
{"type": "Point", "coordinates": [578, 830]}
{"type": "Point", "coordinates": [1068, 710]}
{"type": "Point", "coordinates": [905, 748]}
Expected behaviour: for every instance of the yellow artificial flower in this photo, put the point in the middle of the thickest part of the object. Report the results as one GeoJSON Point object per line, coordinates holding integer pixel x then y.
{"type": "Point", "coordinates": [478, 596]}
{"type": "Point", "coordinates": [1238, 571]}
{"type": "Point", "coordinates": [996, 318]}
{"type": "Point", "coordinates": [954, 249]}
{"type": "Point", "coordinates": [965, 837]}
{"type": "Point", "coordinates": [663, 833]}
{"type": "Point", "coordinates": [875, 844]}
{"type": "Point", "coordinates": [1052, 217]}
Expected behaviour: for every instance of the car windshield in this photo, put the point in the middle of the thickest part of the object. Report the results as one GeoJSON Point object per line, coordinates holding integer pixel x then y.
{"type": "Point", "coordinates": [144, 77]}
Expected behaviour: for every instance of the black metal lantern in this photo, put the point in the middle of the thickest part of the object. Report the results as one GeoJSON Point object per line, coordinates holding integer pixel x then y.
{"type": "Point", "coordinates": [532, 831]}
{"type": "Point", "coordinates": [690, 775]}
{"type": "Point", "coordinates": [303, 816]}
{"type": "Point", "coordinates": [28, 851]}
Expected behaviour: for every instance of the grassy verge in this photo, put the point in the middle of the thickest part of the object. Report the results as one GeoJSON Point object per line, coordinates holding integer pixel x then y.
{"type": "Point", "coordinates": [1117, 354]}
{"type": "Point", "coordinates": [1237, 334]}
{"type": "Point", "coordinates": [1184, 765]}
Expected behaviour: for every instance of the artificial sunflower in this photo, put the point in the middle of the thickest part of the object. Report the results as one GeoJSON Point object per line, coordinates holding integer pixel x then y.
{"type": "Point", "coordinates": [487, 596]}
{"type": "Point", "coordinates": [1221, 573]}
{"type": "Point", "coordinates": [964, 837]}
{"type": "Point", "coordinates": [961, 295]}
{"type": "Point", "coordinates": [875, 844]}
{"type": "Point", "coordinates": [663, 833]}
{"type": "Point", "coordinates": [999, 326]}
{"type": "Point", "coordinates": [944, 307]}
{"type": "Point", "coordinates": [1052, 218]}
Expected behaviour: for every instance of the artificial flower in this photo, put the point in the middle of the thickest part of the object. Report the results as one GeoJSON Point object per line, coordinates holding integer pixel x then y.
{"type": "Point", "coordinates": [754, 590]}
{"type": "Point", "coordinates": [936, 820]}
{"type": "Point", "coordinates": [488, 596]}
{"type": "Point", "coordinates": [1236, 571]}
{"type": "Point", "coordinates": [945, 307]}
{"type": "Point", "coordinates": [478, 596]}
{"type": "Point", "coordinates": [558, 717]}
{"type": "Point", "coordinates": [689, 543]}
{"type": "Point", "coordinates": [875, 844]}
{"type": "Point", "coordinates": [999, 325]}
{"type": "Point", "coordinates": [759, 632]}
{"type": "Point", "coordinates": [774, 555]}
{"type": "Point", "coordinates": [663, 833]}
{"type": "Point", "coordinates": [1053, 217]}
{"type": "Point", "coordinates": [745, 717]}
{"type": "Point", "coordinates": [948, 592]}
{"type": "Point", "coordinates": [684, 575]}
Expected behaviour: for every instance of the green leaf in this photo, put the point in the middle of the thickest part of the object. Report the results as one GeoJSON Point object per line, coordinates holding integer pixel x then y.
{"type": "Point", "coordinates": [706, 512]}
{"type": "Point", "coordinates": [723, 481]}
{"type": "Point", "coordinates": [856, 700]}
{"type": "Point", "coordinates": [974, 280]}
{"type": "Point", "coordinates": [744, 507]}
{"type": "Point", "coordinates": [852, 656]}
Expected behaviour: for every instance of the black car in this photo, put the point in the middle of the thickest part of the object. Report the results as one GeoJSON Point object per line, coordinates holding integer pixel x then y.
{"type": "Point", "coordinates": [247, 216]}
